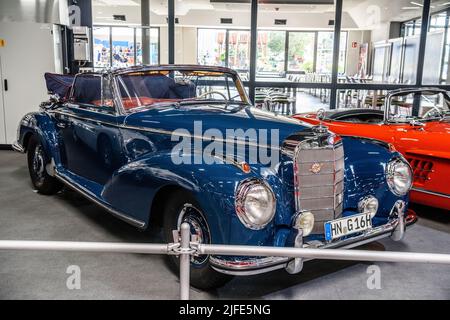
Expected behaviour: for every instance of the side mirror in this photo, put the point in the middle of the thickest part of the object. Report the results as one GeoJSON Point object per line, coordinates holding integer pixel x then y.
{"type": "Point", "coordinates": [416, 124]}
{"type": "Point", "coordinates": [55, 98]}
{"type": "Point", "coordinates": [52, 102]}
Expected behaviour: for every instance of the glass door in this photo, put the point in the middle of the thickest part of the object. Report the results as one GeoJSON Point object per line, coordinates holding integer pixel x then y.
{"type": "Point", "coordinates": [123, 47]}
{"type": "Point", "coordinates": [102, 47]}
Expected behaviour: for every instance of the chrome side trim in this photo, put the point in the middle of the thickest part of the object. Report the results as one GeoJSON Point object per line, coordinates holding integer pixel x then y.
{"type": "Point", "coordinates": [252, 272]}
{"type": "Point", "coordinates": [168, 132]}
{"type": "Point", "coordinates": [231, 160]}
{"type": "Point", "coordinates": [18, 147]}
{"type": "Point", "coordinates": [260, 265]}
{"type": "Point", "coordinates": [438, 194]}
{"type": "Point", "coordinates": [86, 193]}
{"type": "Point", "coordinates": [68, 114]}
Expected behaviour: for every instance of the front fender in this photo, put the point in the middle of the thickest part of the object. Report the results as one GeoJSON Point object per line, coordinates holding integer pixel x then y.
{"type": "Point", "coordinates": [134, 186]}
{"type": "Point", "coordinates": [42, 125]}
{"type": "Point", "coordinates": [365, 173]}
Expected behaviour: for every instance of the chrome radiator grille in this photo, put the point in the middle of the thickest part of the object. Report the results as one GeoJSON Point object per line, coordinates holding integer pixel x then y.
{"type": "Point", "coordinates": [319, 182]}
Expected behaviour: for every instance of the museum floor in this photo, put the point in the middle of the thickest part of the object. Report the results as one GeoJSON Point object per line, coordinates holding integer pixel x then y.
{"type": "Point", "coordinates": [26, 215]}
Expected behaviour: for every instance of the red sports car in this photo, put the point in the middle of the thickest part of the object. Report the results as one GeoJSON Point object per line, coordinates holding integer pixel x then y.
{"type": "Point", "coordinates": [417, 124]}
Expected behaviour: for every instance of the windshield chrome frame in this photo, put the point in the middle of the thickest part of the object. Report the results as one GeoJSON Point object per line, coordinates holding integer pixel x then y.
{"type": "Point", "coordinates": [390, 95]}
{"type": "Point", "coordinates": [172, 68]}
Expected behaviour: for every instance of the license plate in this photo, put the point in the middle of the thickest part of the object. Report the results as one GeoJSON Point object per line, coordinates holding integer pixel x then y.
{"type": "Point", "coordinates": [347, 226]}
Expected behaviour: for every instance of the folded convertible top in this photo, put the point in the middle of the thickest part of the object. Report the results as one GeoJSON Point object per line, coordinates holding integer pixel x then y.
{"type": "Point", "coordinates": [59, 84]}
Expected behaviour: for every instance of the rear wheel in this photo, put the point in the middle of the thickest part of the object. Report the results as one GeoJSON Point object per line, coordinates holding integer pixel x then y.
{"type": "Point", "coordinates": [37, 162]}
{"type": "Point", "coordinates": [182, 207]}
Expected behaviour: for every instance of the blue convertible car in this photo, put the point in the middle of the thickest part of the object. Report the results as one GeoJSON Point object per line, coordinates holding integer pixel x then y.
{"type": "Point", "coordinates": [169, 144]}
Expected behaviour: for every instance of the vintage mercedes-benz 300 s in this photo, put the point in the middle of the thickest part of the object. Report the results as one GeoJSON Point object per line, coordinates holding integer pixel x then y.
{"type": "Point", "coordinates": [169, 144]}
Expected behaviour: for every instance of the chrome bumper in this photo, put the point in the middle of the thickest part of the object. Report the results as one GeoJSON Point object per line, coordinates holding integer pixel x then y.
{"type": "Point", "coordinates": [18, 147]}
{"type": "Point", "coordinates": [395, 229]}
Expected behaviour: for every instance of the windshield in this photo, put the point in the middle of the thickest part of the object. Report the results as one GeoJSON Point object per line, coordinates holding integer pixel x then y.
{"type": "Point", "coordinates": [140, 89]}
{"type": "Point", "coordinates": [418, 106]}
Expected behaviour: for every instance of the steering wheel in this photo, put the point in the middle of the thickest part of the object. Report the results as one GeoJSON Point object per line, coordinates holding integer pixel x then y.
{"type": "Point", "coordinates": [433, 112]}
{"type": "Point", "coordinates": [210, 93]}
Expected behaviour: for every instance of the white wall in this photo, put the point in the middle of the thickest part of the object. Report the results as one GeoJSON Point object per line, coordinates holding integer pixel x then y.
{"type": "Point", "coordinates": [381, 33]}
{"type": "Point", "coordinates": [186, 45]}
{"type": "Point", "coordinates": [360, 37]}
{"type": "Point", "coordinates": [163, 45]}
{"type": "Point", "coordinates": [28, 54]}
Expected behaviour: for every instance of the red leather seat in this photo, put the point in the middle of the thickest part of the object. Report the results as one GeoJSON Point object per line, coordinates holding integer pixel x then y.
{"type": "Point", "coordinates": [130, 103]}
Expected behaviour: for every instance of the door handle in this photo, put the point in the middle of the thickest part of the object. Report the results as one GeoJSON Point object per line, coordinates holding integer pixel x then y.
{"type": "Point", "coordinates": [5, 84]}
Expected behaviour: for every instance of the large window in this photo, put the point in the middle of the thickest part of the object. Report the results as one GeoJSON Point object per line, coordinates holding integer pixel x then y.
{"type": "Point", "coordinates": [239, 49]}
{"type": "Point", "coordinates": [295, 44]}
{"type": "Point", "coordinates": [325, 45]}
{"type": "Point", "coordinates": [436, 70]}
{"type": "Point", "coordinates": [123, 46]}
{"type": "Point", "coordinates": [102, 47]}
{"type": "Point", "coordinates": [271, 52]}
{"type": "Point", "coordinates": [211, 47]}
{"type": "Point", "coordinates": [153, 46]}
{"type": "Point", "coordinates": [307, 52]}
{"type": "Point", "coordinates": [301, 54]}
{"type": "Point", "coordinates": [220, 29]}
{"type": "Point", "coordinates": [380, 46]}
{"type": "Point", "coordinates": [224, 47]}
{"type": "Point", "coordinates": [383, 45]}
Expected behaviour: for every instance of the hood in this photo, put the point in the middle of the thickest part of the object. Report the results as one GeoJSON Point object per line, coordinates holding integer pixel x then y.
{"type": "Point", "coordinates": [215, 117]}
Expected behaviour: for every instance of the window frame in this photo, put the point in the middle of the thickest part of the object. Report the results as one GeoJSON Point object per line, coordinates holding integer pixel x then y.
{"type": "Point", "coordinates": [135, 31]}
{"type": "Point", "coordinates": [92, 107]}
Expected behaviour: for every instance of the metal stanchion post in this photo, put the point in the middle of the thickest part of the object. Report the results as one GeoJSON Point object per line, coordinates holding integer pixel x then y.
{"type": "Point", "coordinates": [185, 262]}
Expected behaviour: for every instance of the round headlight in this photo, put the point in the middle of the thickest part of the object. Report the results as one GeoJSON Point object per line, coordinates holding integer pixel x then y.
{"type": "Point", "coordinates": [255, 204]}
{"type": "Point", "coordinates": [305, 222]}
{"type": "Point", "coordinates": [368, 205]}
{"type": "Point", "coordinates": [399, 177]}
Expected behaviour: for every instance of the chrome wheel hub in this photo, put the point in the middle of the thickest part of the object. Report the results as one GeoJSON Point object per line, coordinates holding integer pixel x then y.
{"type": "Point", "coordinates": [39, 162]}
{"type": "Point", "coordinates": [199, 228]}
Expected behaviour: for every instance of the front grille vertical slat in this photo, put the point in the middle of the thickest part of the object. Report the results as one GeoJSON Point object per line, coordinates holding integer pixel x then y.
{"type": "Point", "coordinates": [320, 192]}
